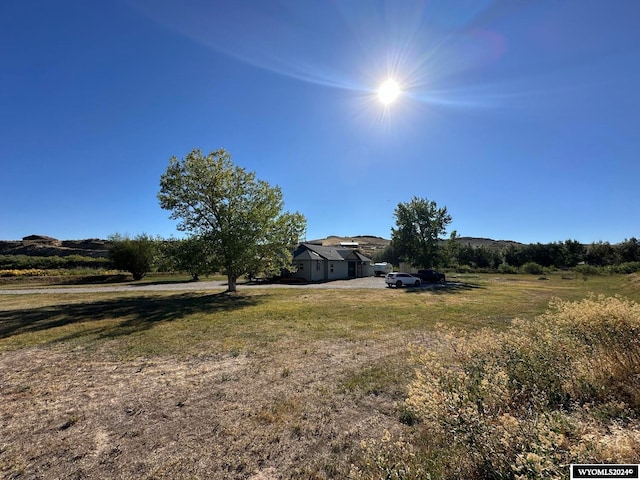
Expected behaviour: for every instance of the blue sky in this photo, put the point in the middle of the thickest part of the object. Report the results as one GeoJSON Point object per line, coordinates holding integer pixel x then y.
{"type": "Point", "coordinates": [521, 117]}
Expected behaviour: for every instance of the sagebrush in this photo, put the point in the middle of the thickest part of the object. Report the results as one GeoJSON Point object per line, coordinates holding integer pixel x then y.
{"type": "Point", "coordinates": [527, 402]}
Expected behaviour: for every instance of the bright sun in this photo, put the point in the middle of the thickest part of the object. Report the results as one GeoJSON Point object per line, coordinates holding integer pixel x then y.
{"type": "Point", "coordinates": [388, 91]}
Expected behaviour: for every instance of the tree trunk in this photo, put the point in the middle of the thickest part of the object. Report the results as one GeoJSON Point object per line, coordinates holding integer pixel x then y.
{"type": "Point", "coordinates": [231, 283]}
{"type": "Point", "coordinates": [137, 275]}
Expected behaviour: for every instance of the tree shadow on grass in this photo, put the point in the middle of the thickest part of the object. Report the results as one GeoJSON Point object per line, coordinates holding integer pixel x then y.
{"type": "Point", "coordinates": [121, 279]}
{"type": "Point", "coordinates": [130, 314]}
{"type": "Point", "coordinates": [444, 288]}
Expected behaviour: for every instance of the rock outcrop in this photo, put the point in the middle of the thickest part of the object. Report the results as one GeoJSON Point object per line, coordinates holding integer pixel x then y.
{"type": "Point", "coordinates": [43, 246]}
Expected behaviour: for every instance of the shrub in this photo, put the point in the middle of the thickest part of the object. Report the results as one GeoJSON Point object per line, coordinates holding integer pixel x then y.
{"type": "Point", "coordinates": [533, 268]}
{"type": "Point", "coordinates": [585, 269]}
{"type": "Point", "coordinates": [506, 268]}
{"type": "Point", "coordinates": [543, 394]}
{"type": "Point", "coordinates": [381, 460]}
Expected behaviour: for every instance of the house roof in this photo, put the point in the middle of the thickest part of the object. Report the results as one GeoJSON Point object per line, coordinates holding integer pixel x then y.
{"type": "Point", "coordinates": [307, 255]}
{"type": "Point", "coordinates": [362, 258]}
{"type": "Point", "coordinates": [312, 251]}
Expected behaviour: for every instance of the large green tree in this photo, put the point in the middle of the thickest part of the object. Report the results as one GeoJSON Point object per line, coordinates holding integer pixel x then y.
{"type": "Point", "coordinates": [239, 216]}
{"type": "Point", "coordinates": [134, 255]}
{"type": "Point", "coordinates": [419, 224]}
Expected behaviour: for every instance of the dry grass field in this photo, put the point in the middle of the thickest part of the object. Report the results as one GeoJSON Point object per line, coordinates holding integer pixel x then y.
{"type": "Point", "coordinates": [272, 383]}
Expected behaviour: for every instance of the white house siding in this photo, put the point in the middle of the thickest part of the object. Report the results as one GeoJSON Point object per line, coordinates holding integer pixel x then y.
{"type": "Point", "coordinates": [310, 270]}
{"type": "Point", "coordinates": [322, 270]}
{"type": "Point", "coordinates": [367, 269]}
{"type": "Point", "coordinates": [317, 270]}
{"type": "Point", "coordinates": [340, 270]}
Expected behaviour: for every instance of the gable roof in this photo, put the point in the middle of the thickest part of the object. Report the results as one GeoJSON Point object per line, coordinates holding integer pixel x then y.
{"type": "Point", "coordinates": [307, 255]}
{"type": "Point", "coordinates": [361, 257]}
{"type": "Point", "coordinates": [313, 251]}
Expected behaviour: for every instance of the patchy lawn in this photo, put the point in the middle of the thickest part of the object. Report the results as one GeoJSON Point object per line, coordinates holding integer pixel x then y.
{"type": "Point", "coordinates": [266, 384]}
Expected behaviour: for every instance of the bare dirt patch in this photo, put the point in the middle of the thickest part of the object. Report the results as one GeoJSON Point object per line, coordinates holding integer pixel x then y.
{"type": "Point", "coordinates": [260, 415]}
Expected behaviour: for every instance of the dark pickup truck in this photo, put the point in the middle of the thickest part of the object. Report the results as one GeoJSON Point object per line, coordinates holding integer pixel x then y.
{"type": "Point", "coordinates": [430, 276]}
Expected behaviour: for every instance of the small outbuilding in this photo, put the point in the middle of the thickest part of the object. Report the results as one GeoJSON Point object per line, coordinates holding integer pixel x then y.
{"type": "Point", "coordinates": [317, 263]}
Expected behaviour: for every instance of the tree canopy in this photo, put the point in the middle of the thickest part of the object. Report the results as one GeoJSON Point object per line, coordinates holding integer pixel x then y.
{"type": "Point", "coordinates": [239, 216]}
{"type": "Point", "coordinates": [191, 255]}
{"type": "Point", "coordinates": [419, 223]}
{"type": "Point", "coordinates": [134, 255]}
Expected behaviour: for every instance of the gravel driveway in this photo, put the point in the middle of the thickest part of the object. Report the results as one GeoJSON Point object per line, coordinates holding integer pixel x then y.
{"type": "Point", "coordinates": [366, 282]}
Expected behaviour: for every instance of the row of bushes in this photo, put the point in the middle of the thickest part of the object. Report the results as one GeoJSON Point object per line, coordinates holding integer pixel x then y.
{"type": "Point", "coordinates": [527, 402]}
{"type": "Point", "coordinates": [537, 269]}
{"type": "Point", "coordinates": [565, 254]}
{"type": "Point", "coordinates": [22, 264]}
{"type": "Point", "coordinates": [26, 262]}
{"type": "Point", "coordinates": [623, 268]}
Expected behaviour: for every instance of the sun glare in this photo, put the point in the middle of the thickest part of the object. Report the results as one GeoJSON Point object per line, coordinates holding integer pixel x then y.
{"type": "Point", "coordinates": [388, 92]}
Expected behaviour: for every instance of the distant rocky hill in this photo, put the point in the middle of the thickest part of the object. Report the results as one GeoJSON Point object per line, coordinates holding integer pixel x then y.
{"type": "Point", "coordinates": [370, 244]}
{"type": "Point", "coordinates": [43, 246]}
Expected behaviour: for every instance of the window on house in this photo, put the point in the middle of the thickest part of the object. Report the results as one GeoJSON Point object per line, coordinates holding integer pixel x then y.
{"type": "Point", "coordinates": [301, 266]}
{"type": "Point", "coordinates": [331, 267]}
{"type": "Point", "coordinates": [318, 266]}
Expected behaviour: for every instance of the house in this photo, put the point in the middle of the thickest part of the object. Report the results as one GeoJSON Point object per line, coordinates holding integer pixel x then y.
{"type": "Point", "coordinates": [317, 263]}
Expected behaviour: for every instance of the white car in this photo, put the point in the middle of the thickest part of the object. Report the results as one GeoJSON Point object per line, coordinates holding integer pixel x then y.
{"type": "Point", "coordinates": [401, 280]}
